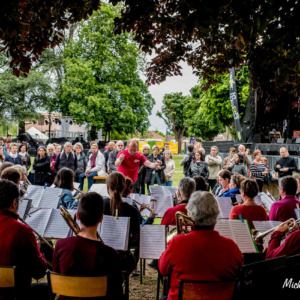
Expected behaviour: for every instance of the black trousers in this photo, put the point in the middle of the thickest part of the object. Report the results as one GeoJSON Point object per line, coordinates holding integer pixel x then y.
{"type": "Point", "coordinates": [212, 183]}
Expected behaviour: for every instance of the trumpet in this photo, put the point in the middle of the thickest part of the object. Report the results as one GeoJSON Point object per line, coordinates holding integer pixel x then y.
{"type": "Point", "coordinates": [291, 224]}
{"type": "Point", "coordinates": [184, 225]}
{"type": "Point", "coordinates": [41, 238]}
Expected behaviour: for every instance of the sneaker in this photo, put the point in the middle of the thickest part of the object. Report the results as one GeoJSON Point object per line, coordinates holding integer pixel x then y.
{"type": "Point", "coordinates": [153, 264]}
{"type": "Point", "coordinates": [135, 272]}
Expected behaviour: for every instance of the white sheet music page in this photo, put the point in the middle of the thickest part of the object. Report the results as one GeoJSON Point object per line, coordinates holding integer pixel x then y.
{"type": "Point", "coordinates": [50, 198]}
{"type": "Point", "coordinates": [239, 232]}
{"type": "Point", "coordinates": [266, 200]}
{"type": "Point", "coordinates": [162, 203]}
{"type": "Point", "coordinates": [100, 188]}
{"type": "Point", "coordinates": [127, 200]}
{"type": "Point", "coordinates": [152, 241]}
{"type": "Point", "coordinates": [34, 193]}
{"type": "Point", "coordinates": [171, 189]}
{"type": "Point", "coordinates": [225, 206]}
{"type": "Point", "coordinates": [257, 199]}
{"type": "Point", "coordinates": [262, 226]}
{"type": "Point", "coordinates": [38, 219]}
{"type": "Point", "coordinates": [157, 189]}
{"type": "Point", "coordinates": [115, 232]}
{"type": "Point", "coordinates": [76, 186]}
{"type": "Point", "coordinates": [142, 199]}
{"type": "Point", "coordinates": [24, 207]}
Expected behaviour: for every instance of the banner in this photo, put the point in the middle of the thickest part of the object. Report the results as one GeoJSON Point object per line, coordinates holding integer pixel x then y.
{"type": "Point", "coordinates": [234, 104]}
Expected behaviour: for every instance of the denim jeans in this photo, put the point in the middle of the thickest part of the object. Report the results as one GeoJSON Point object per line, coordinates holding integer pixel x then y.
{"type": "Point", "coordinates": [169, 183]}
{"type": "Point", "coordinates": [89, 177]}
{"type": "Point", "coordinates": [155, 177]}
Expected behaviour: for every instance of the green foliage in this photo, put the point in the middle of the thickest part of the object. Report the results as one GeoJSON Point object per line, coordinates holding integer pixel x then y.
{"type": "Point", "coordinates": [102, 86]}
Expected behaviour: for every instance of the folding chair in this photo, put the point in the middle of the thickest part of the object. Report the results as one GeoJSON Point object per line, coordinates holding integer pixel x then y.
{"type": "Point", "coordinates": [205, 290]}
{"type": "Point", "coordinates": [7, 280]}
{"type": "Point", "coordinates": [75, 286]}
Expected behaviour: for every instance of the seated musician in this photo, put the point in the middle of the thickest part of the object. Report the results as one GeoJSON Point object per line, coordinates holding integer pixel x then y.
{"type": "Point", "coordinates": [249, 210]}
{"type": "Point", "coordinates": [234, 185]}
{"type": "Point", "coordinates": [224, 179]}
{"type": "Point", "coordinates": [11, 174]}
{"type": "Point", "coordinates": [84, 254]}
{"type": "Point", "coordinates": [201, 184]}
{"type": "Point", "coordinates": [19, 246]}
{"type": "Point", "coordinates": [203, 254]}
{"type": "Point", "coordinates": [289, 247]}
{"type": "Point", "coordinates": [64, 180]}
{"type": "Point", "coordinates": [284, 209]}
{"type": "Point", "coordinates": [4, 166]}
{"type": "Point", "coordinates": [186, 186]}
{"type": "Point", "coordinates": [116, 185]}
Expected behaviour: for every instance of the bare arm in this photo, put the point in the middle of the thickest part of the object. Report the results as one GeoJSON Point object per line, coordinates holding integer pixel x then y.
{"type": "Point", "coordinates": [120, 160]}
{"type": "Point", "coordinates": [150, 165]}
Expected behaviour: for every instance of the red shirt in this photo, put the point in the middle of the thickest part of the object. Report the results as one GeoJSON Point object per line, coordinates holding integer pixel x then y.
{"type": "Point", "coordinates": [84, 257]}
{"type": "Point", "coordinates": [131, 163]}
{"type": "Point", "coordinates": [249, 213]}
{"type": "Point", "coordinates": [169, 216]}
{"type": "Point", "coordinates": [202, 255]}
{"type": "Point", "coordinates": [19, 248]}
{"type": "Point", "coordinates": [289, 247]}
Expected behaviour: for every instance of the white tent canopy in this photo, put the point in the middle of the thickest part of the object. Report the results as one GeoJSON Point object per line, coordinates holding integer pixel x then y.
{"type": "Point", "coordinates": [36, 134]}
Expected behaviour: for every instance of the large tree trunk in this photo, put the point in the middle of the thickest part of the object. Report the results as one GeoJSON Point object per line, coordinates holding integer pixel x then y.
{"type": "Point", "coordinates": [179, 136]}
{"type": "Point", "coordinates": [109, 136]}
{"type": "Point", "coordinates": [93, 133]}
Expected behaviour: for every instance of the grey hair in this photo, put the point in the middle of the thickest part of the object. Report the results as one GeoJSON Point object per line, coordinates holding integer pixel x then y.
{"type": "Point", "coordinates": [202, 149]}
{"type": "Point", "coordinates": [203, 208]}
{"type": "Point", "coordinates": [167, 151]}
{"type": "Point", "coordinates": [20, 169]}
{"type": "Point", "coordinates": [215, 148]}
{"type": "Point", "coordinates": [119, 142]}
{"type": "Point", "coordinates": [186, 186]}
{"type": "Point", "coordinates": [240, 146]}
{"type": "Point", "coordinates": [50, 146]}
{"type": "Point", "coordinates": [145, 146]}
{"type": "Point", "coordinates": [78, 145]}
{"type": "Point", "coordinates": [67, 143]}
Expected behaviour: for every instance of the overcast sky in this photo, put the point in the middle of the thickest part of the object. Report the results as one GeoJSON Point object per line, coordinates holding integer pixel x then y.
{"type": "Point", "coordinates": [173, 84]}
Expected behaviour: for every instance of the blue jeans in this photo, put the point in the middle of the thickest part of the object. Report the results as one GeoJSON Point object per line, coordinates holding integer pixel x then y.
{"type": "Point", "coordinates": [155, 177]}
{"type": "Point", "coordinates": [169, 183]}
{"type": "Point", "coordinates": [89, 177]}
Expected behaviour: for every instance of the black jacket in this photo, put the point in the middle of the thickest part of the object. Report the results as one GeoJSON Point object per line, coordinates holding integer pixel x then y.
{"type": "Point", "coordinates": [62, 161]}
{"type": "Point", "coordinates": [15, 161]}
{"type": "Point", "coordinates": [201, 170]}
{"type": "Point", "coordinates": [42, 169]}
{"type": "Point", "coordinates": [160, 172]}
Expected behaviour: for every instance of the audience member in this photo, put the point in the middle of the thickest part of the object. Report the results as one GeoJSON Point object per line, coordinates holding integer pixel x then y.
{"type": "Point", "coordinates": [7, 142]}
{"type": "Point", "coordinates": [113, 157]}
{"type": "Point", "coordinates": [66, 158]}
{"type": "Point", "coordinates": [258, 170]}
{"type": "Point", "coordinates": [286, 164]}
{"type": "Point", "coordinates": [81, 161]}
{"type": "Point", "coordinates": [2, 144]}
{"type": "Point", "coordinates": [228, 161]}
{"type": "Point", "coordinates": [186, 161]}
{"type": "Point", "coordinates": [2, 156]}
{"type": "Point", "coordinates": [214, 161]}
{"type": "Point", "coordinates": [12, 156]}
{"type": "Point", "coordinates": [41, 167]}
{"type": "Point", "coordinates": [170, 168]}
{"type": "Point", "coordinates": [247, 159]}
{"type": "Point", "coordinates": [238, 165]}
{"type": "Point", "coordinates": [198, 167]}
{"type": "Point", "coordinates": [23, 149]}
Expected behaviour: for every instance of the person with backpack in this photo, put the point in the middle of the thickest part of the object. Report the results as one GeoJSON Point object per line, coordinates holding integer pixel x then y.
{"type": "Point", "coordinates": [67, 158]}
{"type": "Point", "coordinates": [186, 161]}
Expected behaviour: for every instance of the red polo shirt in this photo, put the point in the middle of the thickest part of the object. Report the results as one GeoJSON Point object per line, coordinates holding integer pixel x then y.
{"type": "Point", "coordinates": [169, 216]}
{"type": "Point", "coordinates": [131, 163]}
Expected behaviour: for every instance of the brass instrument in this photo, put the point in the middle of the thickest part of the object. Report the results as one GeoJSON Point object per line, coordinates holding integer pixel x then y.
{"type": "Point", "coordinates": [80, 194]}
{"type": "Point", "coordinates": [41, 238]}
{"type": "Point", "coordinates": [69, 220]}
{"type": "Point", "coordinates": [184, 224]}
{"type": "Point", "coordinates": [258, 237]}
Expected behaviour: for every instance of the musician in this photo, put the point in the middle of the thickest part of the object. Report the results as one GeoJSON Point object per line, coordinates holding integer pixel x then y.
{"type": "Point", "coordinates": [129, 160]}
{"type": "Point", "coordinates": [19, 246]}
{"type": "Point", "coordinates": [224, 179]}
{"type": "Point", "coordinates": [203, 254]}
{"type": "Point", "coordinates": [289, 247]}
{"type": "Point", "coordinates": [4, 166]}
{"type": "Point", "coordinates": [186, 186]}
{"type": "Point", "coordinates": [201, 184]}
{"type": "Point", "coordinates": [249, 210]}
{"type": "Point", "coordinates": [84, 254]}
{"type": "Point", "coordinates": [284, 209]}
{"type": "Point", "coordinates": [64, 180]}
{"type": "Point", "coordinates": [234, 185]}
{"type": "Point", "coordinates": [116, 185]}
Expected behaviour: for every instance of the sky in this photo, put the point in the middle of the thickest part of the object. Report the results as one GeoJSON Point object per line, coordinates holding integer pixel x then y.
{"type": "Point", "coordinates": [172, 84]}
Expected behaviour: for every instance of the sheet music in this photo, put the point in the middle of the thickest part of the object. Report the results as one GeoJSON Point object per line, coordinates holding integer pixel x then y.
{"type": "Point", "coordinates": [266, 200]}
{"type": "Point", "coordinates": [142, 199]}
{"type": "Point", "coordinates": [257, 199]}
{"type": "Point", "coordinates": [171, 189]}
{"type": "Point", "coordinates": [24, 207]}
{"type": "Point", "coordinates": [162, 203]}
{"type": "Point", "coordinates": [157, 189]}
{"type": "Point", "coordinates": [76, 186]}
{"type": "Point", "coordinates": [34, 193]}
{"type": "Point", "coordinates": [225, 206]}
{"type": "Point", "coordinates": [50, 198]}
{"type": "Point", "coordinates": [115, 232]}
{"type": "Point", "coordinates": [38, 219]}
{"type": "Point", "coordinates": [262, 226]}
{"type": "Point", "coordinates": [239, 232]}
{"type": "Point", "coordinates": [100, 188]}
{"type": "Point", "coordinates": [127, 200]}
{"type": "Point", "coordinates": [152, 241]}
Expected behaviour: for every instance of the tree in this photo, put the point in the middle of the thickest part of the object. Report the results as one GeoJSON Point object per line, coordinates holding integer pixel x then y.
{"type": "Point", "coordinates": [102, 86]}
{"type": "Point", "coordinates": [27, 27]}
{"type": "Point", "coordinates": [173, 113]}
{"type": "Point", "coordinates": [215, 36]}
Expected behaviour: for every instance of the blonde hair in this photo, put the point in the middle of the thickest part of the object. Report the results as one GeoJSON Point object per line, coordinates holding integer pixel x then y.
{"type": "Point", "coordinates": [145, 146]}
{"type": "Point", "coordinates": [20, 169]}
{"type": "Point", "coordinates": [155, 146]}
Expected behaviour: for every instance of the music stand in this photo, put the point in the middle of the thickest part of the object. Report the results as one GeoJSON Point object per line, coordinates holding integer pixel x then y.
{"type": "Point", "coordinates": [280, 141]}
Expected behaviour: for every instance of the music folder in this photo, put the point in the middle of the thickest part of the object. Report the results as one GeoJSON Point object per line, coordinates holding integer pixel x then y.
{"type": "Point", "coordinates": [161, 203]}
{"type": "Point", "coordinates": [24, 207]}
{"type": "Point", "coordinates": [142, 199]}
{"type": "Point", "coordinates": [225, 206]}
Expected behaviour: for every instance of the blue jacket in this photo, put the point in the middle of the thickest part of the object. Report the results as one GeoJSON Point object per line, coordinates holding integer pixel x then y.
{"type": "Point", "coordinates": [15, 161]}
{"type": "Point", "coordinates": [67, 200]}
{"type": "Point", "coordinates": [231, 192]}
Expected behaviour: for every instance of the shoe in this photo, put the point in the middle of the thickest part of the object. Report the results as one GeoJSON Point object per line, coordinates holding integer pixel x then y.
{"type": "Point", "coordinates": [153, 264]}
{"type": "Point", "coordinates": [135, 272]}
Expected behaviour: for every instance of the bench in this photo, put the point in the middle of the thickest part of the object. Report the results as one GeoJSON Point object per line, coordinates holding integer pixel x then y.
{"type": "Point", "coordinates": [99, 179]}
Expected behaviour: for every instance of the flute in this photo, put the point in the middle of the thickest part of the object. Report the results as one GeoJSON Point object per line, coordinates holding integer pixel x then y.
{"type": "Point", "coordinates": [141, 204]}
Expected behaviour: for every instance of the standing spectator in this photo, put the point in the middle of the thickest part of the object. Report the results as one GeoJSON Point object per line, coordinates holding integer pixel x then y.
{"type": "Point", "coordinates": [229, 160]}
{"type": "Point", "coordinates": [2, 157]}
{"type": "Point", "coordinates": [203, 153]}
{"type": "Point", "coordinates": [57, 150]}
{"type": "Point", "coordinates": [81, 161]}
{"type": "Point", "coordinates": [111, 147]}
{"type": "Point", "coordinates": [25, 156]}
{"type": "Point", "coordinates": [41, 166]}
{"type": "Point", "coordinates": [156, 175]}
{"type": "Point", "coordinates": [95, 167]}
{"type": "Point", "coordinates": [170, 168]}
{"type": "Point", "coordinates": [142, 170]}
{"type": "Point", "coordinates": [238, 166]}
{"type": "Point", "coordinates": [13, 156]}
{"type": "Point", "coordinates": [186, 161]}
{"type": "Point", "coordinates": [286, 164]}
{"type": "Point", "coordinates": [113, 157]}
{"type": "Point", "coordinates": [198, 167]}
{"type": "Point", "coordinates": [7, 141]}
{"type": "Point", "coordinates": [258, 170]}
{"type": "Point", "coordinates": [66, 158]}
{"type": "Point", "coordinates": [50, 153]}
{"type": "Point", "coordinates": [284, 209]}
{"type": "Point", "coordinates": [214, 161]}
{"type": "Point", "coordinates": [3, 145]}
{"type": "Point", "coordinates": [247, 159]}
{"type": "Point", "coordinates": [166, 147]}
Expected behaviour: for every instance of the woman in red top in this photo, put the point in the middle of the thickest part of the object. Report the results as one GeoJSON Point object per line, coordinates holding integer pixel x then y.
{"type": "Point", "coordinates": [249, 210]}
